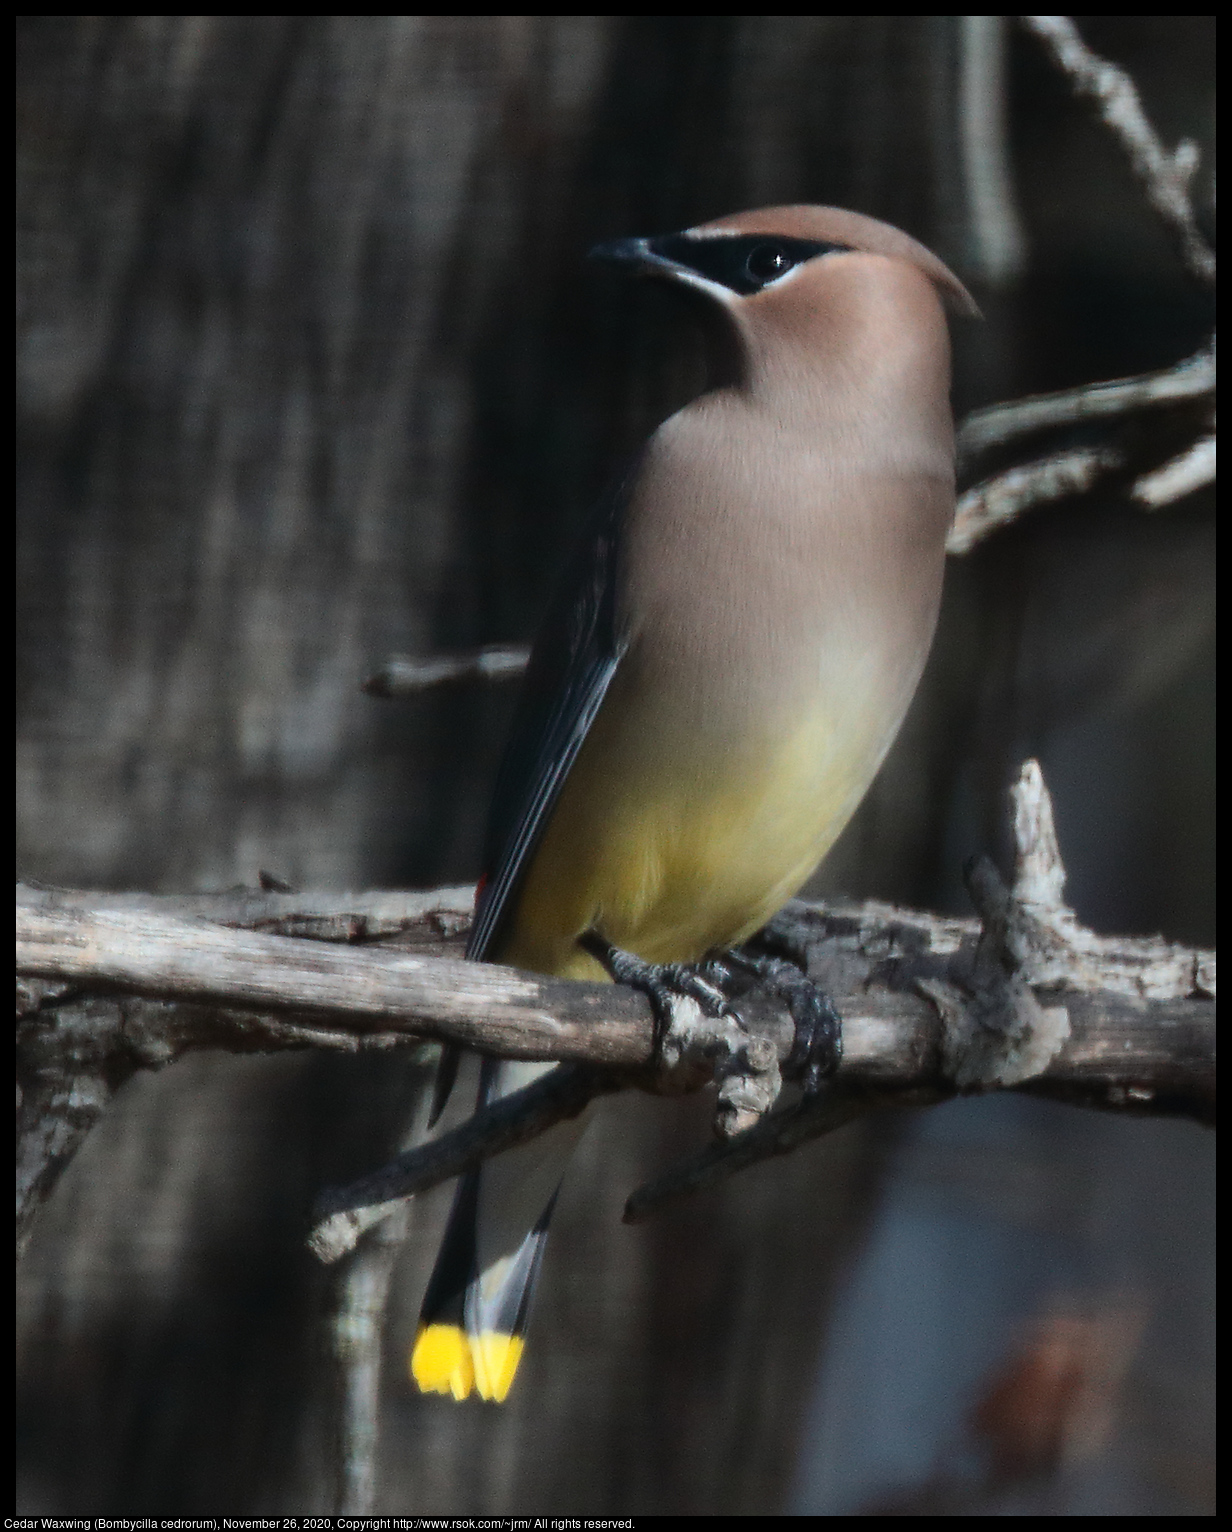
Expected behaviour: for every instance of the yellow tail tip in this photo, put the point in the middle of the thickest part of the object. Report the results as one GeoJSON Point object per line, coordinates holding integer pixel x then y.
{"type": "Point", "coordinates": [444, 1360]}
{"type": "Point", "coordinates": [440, 1361]}
{"type": "Point", "coordinates": [495, 1357]}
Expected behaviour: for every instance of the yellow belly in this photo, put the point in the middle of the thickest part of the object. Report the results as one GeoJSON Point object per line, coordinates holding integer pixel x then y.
{"type": "Point", "coordinates": [673, 853]}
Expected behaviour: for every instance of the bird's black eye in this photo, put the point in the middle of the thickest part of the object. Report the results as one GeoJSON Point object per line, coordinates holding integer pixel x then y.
{"type": "Point", "coordinates": [743, 263]}
{"type": "Point", "coordinates": [767, 261]}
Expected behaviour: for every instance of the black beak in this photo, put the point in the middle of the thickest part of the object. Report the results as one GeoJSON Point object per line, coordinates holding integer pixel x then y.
{"type": "Point", "coordinates": [631, 252]}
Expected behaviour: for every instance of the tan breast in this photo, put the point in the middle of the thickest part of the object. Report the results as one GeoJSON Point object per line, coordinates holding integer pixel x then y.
{"type": "Point", "coordinates": [779, 609]}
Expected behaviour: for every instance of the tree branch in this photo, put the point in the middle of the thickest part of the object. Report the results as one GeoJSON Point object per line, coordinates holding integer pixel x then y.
{"type": "Point", "coordinates": [279, 991]}
{"type": "Point", "coordinates": [1165, 177]}
{"type": "Point", "coordinates": [931, 1006]}
{"type": "Point", "coordinates": [1000, 424]}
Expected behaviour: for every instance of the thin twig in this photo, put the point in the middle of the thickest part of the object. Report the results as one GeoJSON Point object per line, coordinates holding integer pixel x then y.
{"type": "Point", "coordinates": [999, 424]}
{"type": "Point", "coordinates": [996, 502]}
{"type": "Point", "coordinates": [778, 1133]}
{"type": "Point", "coordinates": [1191, 470]}
{"type": "Point", "coordinates": [345, 1213]}
{"type": "Point", "coordinates": [1165, 177]}
{"type": "Point", "coordinates": [402, 675]}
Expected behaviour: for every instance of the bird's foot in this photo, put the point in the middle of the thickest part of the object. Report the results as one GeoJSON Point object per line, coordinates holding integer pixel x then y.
{"type": "Point", "coordinates": [664, 982]}
{"type": "Point", "coordinates": [818, 1045]}
{"type": "Point", "coordinates": [691, 1048]}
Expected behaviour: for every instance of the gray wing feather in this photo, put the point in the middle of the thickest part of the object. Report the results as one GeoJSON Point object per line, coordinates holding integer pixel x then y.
{"type": "Point", "coordinates": [571, 667]}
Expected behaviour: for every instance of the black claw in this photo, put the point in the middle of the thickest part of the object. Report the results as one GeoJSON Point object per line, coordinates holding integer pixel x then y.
{"type": "Point", "coordinates": [662, 982]}
{"type": "Point", "coordinates": [818, 1045]}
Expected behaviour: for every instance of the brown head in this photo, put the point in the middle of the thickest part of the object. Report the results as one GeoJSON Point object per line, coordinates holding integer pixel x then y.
{"type": "Point", "coordinates": [814, 289]}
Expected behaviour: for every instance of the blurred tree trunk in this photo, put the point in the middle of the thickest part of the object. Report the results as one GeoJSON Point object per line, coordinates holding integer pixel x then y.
{"type": "Point", "coordinates": [310, 372]}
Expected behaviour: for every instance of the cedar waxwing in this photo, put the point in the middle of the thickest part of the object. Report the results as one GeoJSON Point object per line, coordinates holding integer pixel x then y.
{"type": "Point", "coordinates": [726, 663]}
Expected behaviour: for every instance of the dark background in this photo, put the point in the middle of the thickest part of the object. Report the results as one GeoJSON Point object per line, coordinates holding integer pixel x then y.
{"type": "Point", "coordinates": [311, 371]}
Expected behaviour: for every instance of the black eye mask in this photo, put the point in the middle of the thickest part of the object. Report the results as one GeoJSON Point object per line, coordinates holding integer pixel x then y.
{"type": "Point", "coordinates": [745, 263]}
